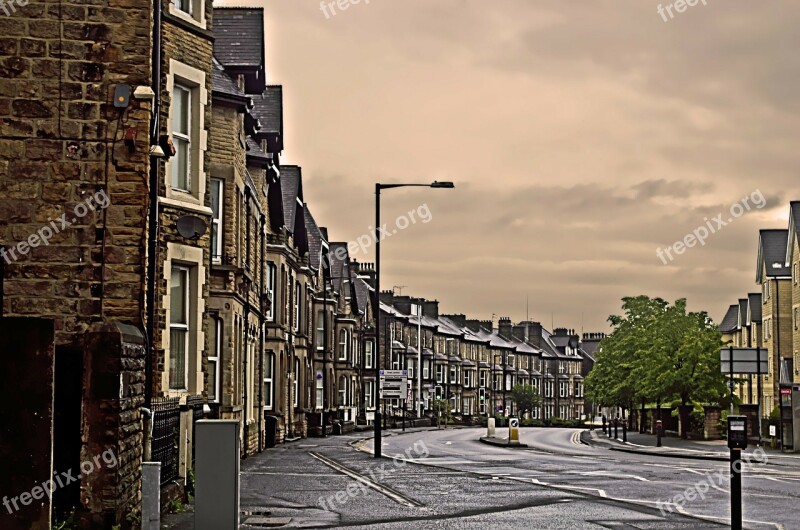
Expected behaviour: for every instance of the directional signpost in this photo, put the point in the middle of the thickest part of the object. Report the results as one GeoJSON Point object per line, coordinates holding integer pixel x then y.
{"type": "Point", "coordinates": [745, 361]}
{"type": "Point", "coordinates": [394, 384]}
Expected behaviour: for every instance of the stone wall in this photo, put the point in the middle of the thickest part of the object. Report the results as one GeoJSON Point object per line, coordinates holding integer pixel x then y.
{"type": "Point", "coordinates": [62, 156]}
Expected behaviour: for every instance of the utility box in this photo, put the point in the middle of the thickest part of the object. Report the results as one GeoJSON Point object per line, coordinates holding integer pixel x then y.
{"type": "Point", "coordinates": [216, 475]}
{"type": "Point", "coordinates": [790, 417]}
{"type": "Point", "coordinates": [737, 432]}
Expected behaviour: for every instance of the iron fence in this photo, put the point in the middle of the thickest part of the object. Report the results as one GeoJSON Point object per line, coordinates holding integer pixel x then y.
{"type": "Point", "coordinates": [166, 436]}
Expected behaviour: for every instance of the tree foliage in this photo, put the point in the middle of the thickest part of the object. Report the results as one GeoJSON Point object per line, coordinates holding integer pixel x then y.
{"type": "Point", "coordinates": [657, 352]}
{"type": "Point", "coordinates": [526, 397]}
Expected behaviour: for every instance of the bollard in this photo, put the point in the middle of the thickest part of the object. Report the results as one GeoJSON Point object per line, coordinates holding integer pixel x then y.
{"type": "Point", "coordinates": [616, 426]}
{"type": "Point", "coordinates": [625, 431]}
{"type": "Point", "coordinates": [490, 432]}
{"type": "Point", "coordinates": [604, 424]}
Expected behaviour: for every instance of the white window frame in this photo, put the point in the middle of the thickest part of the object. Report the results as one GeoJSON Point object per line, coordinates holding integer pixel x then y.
{"type": "Point", "coordinates": [298, 294]}
{"type": "Point", "coordinates": [320, 335]}
{"type": "Point", "coordinates": [184, 327]}
{"type": "Point", "coordinates": [272, 273]}
{"type": "Point", "coordinates": [369, 354]}
{"type": "Point", "coordinates": [181, 137]}
{"type": "Point", "coordinates": [269, 374]}
{"type": "Point", "coordinates": [369, 401]}
{"type": "Point", "coordinates": [196, 14]}
{"type": "Point", "coordinates": [185, 76]}
{"type": "Point", "coordinates": [217, 224]}
{"type": "Point", "coordinates": [320, 393]}
{"type": "Point", "coordinates": [343, 390]}
{"type": "Point", "coordinates": [344, 344]}
{"type": "Point", "coordinates": [296, 376]}
{"type": "Point", "coordinates": [214, 355]}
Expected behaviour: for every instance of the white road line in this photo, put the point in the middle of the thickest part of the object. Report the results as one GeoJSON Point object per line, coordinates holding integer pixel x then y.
{"type": "Point", "coordinates": [385, 490]}
{"type": "Point", "coordinates": [608, 474]}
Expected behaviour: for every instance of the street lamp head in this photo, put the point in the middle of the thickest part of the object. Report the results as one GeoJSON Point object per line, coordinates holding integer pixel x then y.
{"type": "Point", "coordinates": [437, 184]}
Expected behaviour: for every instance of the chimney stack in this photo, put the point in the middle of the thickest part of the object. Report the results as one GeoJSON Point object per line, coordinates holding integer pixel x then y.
{"type": "Point", "coordinates": [504, 326]}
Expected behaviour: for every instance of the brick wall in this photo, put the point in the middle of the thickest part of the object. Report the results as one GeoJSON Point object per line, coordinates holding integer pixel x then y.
{"type": "Point", "coordinates": [60, 144]}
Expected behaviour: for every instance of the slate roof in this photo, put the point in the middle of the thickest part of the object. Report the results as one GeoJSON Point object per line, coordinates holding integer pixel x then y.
{"type": "Point", "coordinates": [268, 109]}
{"type": "Point", "coordinates": [794, 227]}
{"type": "Point", "coordinates": [754, 307]}
{"type": "Point", "coordinates": [338, 264]}
{"type": "Point", "coordinates": [222, 83]}
{"type": "Point", "coordinates": [771, 250]}
{"type": "Point", "coordinates": [314, 239]}
{"type": "Point", "coordinates": [362, 290]}
{"type": "Point", "coordinates": [254, 152]}
{"type": "Point", "coordinates": [729, 322]}
{"type": "Point", "coordinates": [239, 36]}
{"type": "Point", "coordinates": [741, 318]}
{"type": "Point", "coordinates": [291, 189]}
{"type": "Point", "coordinates": [590, 346]}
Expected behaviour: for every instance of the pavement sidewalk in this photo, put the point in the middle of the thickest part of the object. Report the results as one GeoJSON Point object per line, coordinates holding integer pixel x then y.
{"type": "Point", "coordinates": [673, 447]}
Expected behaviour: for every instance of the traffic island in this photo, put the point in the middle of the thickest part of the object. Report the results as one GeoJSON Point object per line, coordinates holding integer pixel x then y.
{"type": "Point", "coordinates": [513, 435]}
{"type": "Point", "coordinates": [502, 442]}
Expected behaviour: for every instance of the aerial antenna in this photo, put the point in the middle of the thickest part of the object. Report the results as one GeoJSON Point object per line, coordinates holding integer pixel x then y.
{"type": "Point", "coordinates": [527, 315]}
{"type": "Point", "coordinates": [398, 289]}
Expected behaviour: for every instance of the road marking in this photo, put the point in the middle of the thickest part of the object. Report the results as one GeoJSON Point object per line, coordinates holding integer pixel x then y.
{"type": "Point", "coordinates": [608, 474]}
{"type": "Point", "coordinates": [380, 488]}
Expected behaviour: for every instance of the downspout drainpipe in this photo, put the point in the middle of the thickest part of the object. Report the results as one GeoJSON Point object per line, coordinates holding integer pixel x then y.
{"type": "Point", "coordinates": [152, 226]}
{"type": "Point", "coordinates": [246, 266]}
{"type": "Point", "coordinates": [262, 327]}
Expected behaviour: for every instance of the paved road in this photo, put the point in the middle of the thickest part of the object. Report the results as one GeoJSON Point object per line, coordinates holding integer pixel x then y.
{"type": "Point", "coordinates": [557, 460]}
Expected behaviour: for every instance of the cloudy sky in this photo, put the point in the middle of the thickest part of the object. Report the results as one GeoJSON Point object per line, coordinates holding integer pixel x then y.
{"type": "Point", "coordinates": [582, 136]}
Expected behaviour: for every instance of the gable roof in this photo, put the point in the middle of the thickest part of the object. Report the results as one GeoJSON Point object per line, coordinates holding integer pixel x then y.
{"type": "Point", "coordinates": [741, 317]}
{"type": "Point", "coordinates": [754, 308]}
{"type": "Point", "coordinates": [314, 239]}
{"type": "Point", "coordinates": [771, 252]}
{"type": "Point", "coordinates": [239, 36]}
{"type": "Point", "coordinates": [362, 290]}
{"type": "Point", "coordinates": [292, 193]}
{"type": "Point", "coordinates": [339, 259]}
{"type": "Point", "coordinates": [268, 108]}
{"type": "Point", "coordinates": [730, 319]}
{"type": "Point", "coordinates": [794, 230]}
{"type": "Point", "coordinates": [224, 89]}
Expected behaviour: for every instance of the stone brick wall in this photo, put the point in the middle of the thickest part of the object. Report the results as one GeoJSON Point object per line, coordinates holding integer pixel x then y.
{"type": "Point", "coordinates": [60, 144]}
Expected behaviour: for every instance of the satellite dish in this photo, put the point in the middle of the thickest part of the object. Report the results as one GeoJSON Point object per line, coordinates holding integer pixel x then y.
{"type": "Point", "coordinates": [191, 227]}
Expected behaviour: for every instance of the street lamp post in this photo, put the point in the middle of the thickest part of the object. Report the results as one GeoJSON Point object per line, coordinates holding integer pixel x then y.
{"type": "Point", "coordinates": [378, 188]}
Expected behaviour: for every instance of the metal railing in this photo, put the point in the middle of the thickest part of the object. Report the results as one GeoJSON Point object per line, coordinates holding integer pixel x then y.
{"type": "Point", "coordinates": [166, 436]}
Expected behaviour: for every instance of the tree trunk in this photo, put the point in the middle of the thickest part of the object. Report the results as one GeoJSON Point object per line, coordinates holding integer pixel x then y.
{"type": "Point", "coordinates": [642, 419]}
{"type": "Point", "coordinates": [684, 415]}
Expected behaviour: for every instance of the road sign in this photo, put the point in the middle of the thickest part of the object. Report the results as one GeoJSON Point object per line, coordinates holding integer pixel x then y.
{"type": "Point", "coordinates": [745, 360]}
{"type": "Point", "coordinates": [319, 376]}
{"type": "Point", "coordinates": [394, 384]}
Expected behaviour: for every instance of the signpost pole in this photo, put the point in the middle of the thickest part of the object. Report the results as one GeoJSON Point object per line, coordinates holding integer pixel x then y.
{"type": "Point", "coordinates": [736, 489]}
{"type": "Point", "coordinates": [737, 441]}
{"type": "Point", "coordinates": [758, 384]}
{"type": "Point", "coordinates": [730, 374]}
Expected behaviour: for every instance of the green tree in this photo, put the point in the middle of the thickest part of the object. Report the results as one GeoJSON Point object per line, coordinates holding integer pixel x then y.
{"type": "Point", "coordinates": [659, 352]}
{"type": "Point", "coordinates": [526, 397]}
